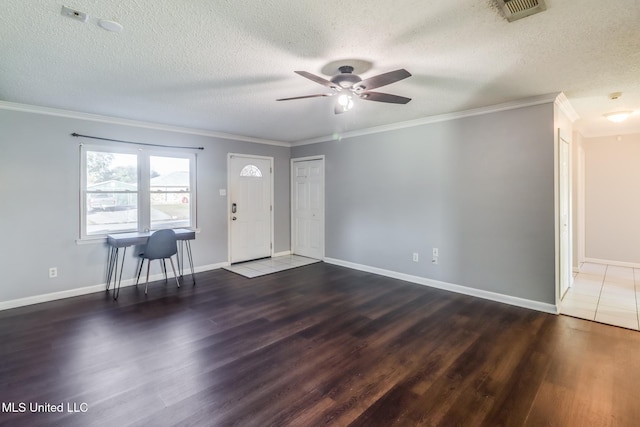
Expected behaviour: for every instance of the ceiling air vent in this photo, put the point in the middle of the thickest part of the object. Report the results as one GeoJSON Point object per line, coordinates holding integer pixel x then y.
{"type": "Point", "coordinates": [518, 9]}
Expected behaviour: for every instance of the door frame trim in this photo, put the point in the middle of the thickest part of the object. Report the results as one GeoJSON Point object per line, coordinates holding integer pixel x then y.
{"type": "Point", "coordinates": [324, 199]}
{"type": "Point", "coordinates": [560, 136]}
{"type": "Point", "coordinates": [272, 201]}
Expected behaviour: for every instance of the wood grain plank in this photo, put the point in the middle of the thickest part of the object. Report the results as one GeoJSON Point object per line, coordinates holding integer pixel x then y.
{"type": "Point", "coordinates": [315, 345]}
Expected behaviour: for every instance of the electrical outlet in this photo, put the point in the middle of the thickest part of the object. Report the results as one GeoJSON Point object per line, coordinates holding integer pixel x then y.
{"type": "Point", "coordinates": [434, 260]}
{"type": "Point", "coordinates": [435, 252]}
{"type": "Point", "coordinates": [415, 257]}
{"type": "Point", "coordinates": [53, 272]}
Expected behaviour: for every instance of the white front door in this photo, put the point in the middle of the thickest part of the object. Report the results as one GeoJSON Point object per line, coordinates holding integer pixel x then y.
{"type": "Point", "coordinates": [250, 207]}
{"type": "Point", "coordinates": [307, 183]}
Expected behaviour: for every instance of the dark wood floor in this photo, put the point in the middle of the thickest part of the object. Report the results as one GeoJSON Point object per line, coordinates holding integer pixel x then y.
{"type": "Point", "coordinates": [317, 345]}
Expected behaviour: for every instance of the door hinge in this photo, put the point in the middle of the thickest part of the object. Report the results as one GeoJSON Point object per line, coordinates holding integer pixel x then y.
{"type": "Point", "coordinates": [270, 245]}
{"type": "Point", "coordinates": [271, 208]}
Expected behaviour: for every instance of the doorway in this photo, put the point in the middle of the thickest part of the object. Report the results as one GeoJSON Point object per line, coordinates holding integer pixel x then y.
{"type": "Point", "coordinates": [250, 207]}
{"type": "Point", "coordinates": [604, 289]}
{"type": "Point", "coordinates": [307, 207]}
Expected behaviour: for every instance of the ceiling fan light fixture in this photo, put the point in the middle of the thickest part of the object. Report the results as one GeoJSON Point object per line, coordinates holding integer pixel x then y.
{"type": "Point", "coordinates": [618, 116]}
{"type": "Point", "coordinates": [345, 80]}
{"type": "Point", "coordinates": [348, 85]}
{"type": "Point", "coordinates": [345, 102]}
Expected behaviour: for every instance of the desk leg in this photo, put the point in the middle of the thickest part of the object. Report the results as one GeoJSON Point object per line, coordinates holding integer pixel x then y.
{"type": "Point", "coordinates": [114, 269]}
{"type": "Point", "coordinates": [110, 265]}
{"type": "Point", "coordinates": [116, 290]}
{"type": "Point", "coordinates": [193, 276]}
{"type": "Point", "coordinates": [180, 258]}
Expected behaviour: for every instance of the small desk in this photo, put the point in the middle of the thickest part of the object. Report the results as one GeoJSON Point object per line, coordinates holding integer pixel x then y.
{"type": "Point", "coordinates": [124, 240]}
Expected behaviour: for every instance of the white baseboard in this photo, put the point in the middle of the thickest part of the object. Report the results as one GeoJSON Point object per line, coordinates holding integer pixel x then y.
{"type": "Point", "coordinates": [611, 262]}
{"type": "Point", "coordinates": [207, 267]}
{"type": "Point", "coordinates": [506, 299]}
{"type": "Point", "coordinates": [37, 299]}
{"type": "Point", "coordinates": [493, 296]}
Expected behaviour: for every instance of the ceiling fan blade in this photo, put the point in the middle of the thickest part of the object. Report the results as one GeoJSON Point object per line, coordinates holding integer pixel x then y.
{"type": "Point", "coordinates": [383, 79]}
{"type": "Point", "coordinates": [318, 79]}
{"type": "Point", "coordinates": [305, 96]}
{"type": "Point", "coordinates": [384, 97]}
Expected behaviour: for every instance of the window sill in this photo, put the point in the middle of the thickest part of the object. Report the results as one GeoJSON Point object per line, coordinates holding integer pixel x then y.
{"type": "Point", "coordinates": [91, 241]}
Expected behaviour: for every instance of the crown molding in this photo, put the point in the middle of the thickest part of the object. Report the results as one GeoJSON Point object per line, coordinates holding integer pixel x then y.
{"type": "Point", "coordinates": [527, 102]}
{"type": "Point", "coordinates": [4, 105]}
{"type": "Point", "coordinates": [559, 99]}
{"type": "Point", "coordinates": [565, 106]}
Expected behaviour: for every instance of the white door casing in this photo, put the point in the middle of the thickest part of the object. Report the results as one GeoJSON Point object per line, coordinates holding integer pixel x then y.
{"type": "Point", "coordinates": [564, 206]}
{"type": "Point", "coordinates": [250, 207]}
{"type": "Point", "coordinates": [307, 207]}
{"type": "Point", "coordinates": [580, 206]}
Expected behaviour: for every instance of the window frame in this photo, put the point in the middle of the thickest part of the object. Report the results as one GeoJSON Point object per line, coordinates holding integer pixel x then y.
{"type": "Point", "coordinates": [143, 191]}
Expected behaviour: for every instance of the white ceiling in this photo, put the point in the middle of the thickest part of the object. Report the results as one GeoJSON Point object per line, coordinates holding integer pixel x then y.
{"type": "Point", "coordinates": [220, 65]}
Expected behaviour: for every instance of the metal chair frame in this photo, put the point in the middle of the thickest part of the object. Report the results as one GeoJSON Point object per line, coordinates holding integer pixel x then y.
{"type": "Point", "coordinates": [162, 244]}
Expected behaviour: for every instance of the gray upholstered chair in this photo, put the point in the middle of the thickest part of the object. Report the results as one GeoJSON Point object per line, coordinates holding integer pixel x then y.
{"type": "Point", "coordinates": [160, 245]}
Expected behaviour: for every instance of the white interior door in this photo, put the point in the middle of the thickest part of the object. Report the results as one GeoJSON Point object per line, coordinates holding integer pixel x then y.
{"type": "Point", "coordinates": [565, 215]}
{"type": "Point", "coordinates": [307, 184]}
{"type": "Point", "coordinates": [250, 207]}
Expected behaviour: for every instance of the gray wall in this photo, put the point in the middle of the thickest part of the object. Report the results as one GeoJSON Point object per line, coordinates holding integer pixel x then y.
{"type": "Point", "coordinates": [39, 200]}
{"type": "Point", "coordinates": [481, 189]}
{"type": "Point", "coordinates": [478, 188]}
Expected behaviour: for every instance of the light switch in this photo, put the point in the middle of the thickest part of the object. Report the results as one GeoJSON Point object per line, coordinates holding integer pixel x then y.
{"type": "Point", "coordinates": [223, 192]}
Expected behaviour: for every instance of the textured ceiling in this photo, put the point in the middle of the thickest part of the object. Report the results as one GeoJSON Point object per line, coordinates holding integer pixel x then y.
{"type": "Point", "coordinates": [220, 65]}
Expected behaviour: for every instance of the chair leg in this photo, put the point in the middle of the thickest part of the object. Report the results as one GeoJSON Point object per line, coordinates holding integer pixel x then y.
{"type": "Point", "coordinates": [140, 270]}
{"type": "Point", "coordinates": [147, 284]}
{"type": "Point", "coordinates": [174, 271]}
{"type": "Point", "coordinates": [164, 269]}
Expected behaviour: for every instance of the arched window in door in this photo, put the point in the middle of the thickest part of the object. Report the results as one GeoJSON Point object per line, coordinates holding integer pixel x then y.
{"type": "Point", "coordinates": [251, 171]}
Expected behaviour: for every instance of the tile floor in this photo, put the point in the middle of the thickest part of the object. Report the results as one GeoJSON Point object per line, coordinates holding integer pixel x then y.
{"type": "Point", "coordinates": [604, 293]}
{"type": "Point", "coordinates": [269, 265]}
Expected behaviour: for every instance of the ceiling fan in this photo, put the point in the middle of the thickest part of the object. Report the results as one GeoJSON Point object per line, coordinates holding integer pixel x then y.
{"type": "Point", "coordinates": [349, 85]}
